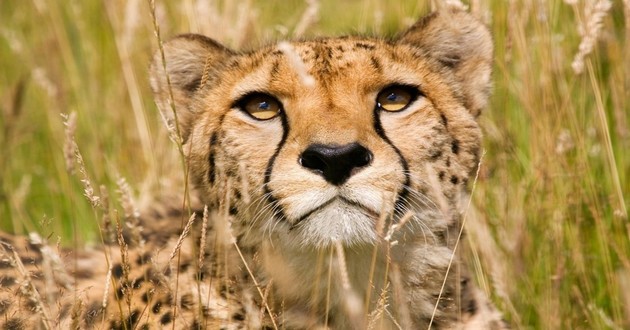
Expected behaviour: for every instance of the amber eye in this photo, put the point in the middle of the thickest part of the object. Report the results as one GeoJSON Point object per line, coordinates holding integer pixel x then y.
{"type": "Point", "coordinates": [396, 98]}
{"type": "Point", "coordinates": [260, 106]}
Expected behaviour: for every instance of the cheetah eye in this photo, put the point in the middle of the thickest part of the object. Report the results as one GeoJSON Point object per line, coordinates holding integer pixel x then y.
{"type": "Point", "coordinates": [260, 106]}
{"type": "Point", "coordinates": [396, 98]}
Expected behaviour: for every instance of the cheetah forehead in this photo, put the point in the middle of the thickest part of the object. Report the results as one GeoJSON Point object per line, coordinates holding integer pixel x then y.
{"type": "Point", "coordinates": [289, 67]}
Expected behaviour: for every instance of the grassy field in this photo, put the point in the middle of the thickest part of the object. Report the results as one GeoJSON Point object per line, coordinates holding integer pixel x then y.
{"type": "Point", "coordinates": [549, 236]}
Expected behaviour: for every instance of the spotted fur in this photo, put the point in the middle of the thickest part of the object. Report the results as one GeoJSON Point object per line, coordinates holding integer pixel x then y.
{"type": "Point", "coordinates": [370, 250]}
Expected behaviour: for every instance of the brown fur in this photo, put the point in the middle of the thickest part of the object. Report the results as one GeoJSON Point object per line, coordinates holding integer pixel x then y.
{"type": "Point", "coordinates": [371, 252]}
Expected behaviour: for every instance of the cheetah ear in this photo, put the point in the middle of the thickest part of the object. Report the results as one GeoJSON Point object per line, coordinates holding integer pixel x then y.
{"type": "Point", "coordinates": [462, 44]}
{"type": "Point", "coordinates": [190, 58]}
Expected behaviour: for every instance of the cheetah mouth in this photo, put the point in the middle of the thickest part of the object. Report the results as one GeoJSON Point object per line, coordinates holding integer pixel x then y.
{"type": "Point", "coordinates": [341, 203]}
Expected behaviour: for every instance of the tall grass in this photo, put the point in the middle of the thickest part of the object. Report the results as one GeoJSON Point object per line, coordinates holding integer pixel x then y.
{"type": "Point", "coordinates": [550, 237]}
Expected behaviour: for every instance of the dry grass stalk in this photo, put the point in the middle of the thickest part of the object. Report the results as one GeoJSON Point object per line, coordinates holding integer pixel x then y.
{"type": "Point", "coordinates": [459, 237]}
{"type": "Point", "coordinates": [107, 229]}
{"type": "Point", "coordinates": [399, 294]}
{"type": "Point", "coordinates": [263, 296]}
{"type": "Point", "coordinates": [124, 260]}
{"type": "Point", "coordinates": [244, 183]}
{"type": "Point", "coordinates": [181, 238]}
{"type": "Point", "coordinates": [71, 148]}
{"type": "Point", "coordinates": [75, 314]}
{"type": "Point", "coordinates": [401, 223]}
{"type": "Point", "coordinates": [296, 62]}
{"type": "Point", "coordinates": [126, 200]}
{"type": "Point", "coordinates": [352, 302]}
{"type": "Point", "coordinates": [70, 123]}
{"type": "Point", "coordinates": [623, 277]}
{"type": "Point", "coordinates": [202, 239]}
{"type": "Point", "coordinates": [377, 313]}
{"type": "Point", "coordinates": [108, 284]}
{"type": "Point", "coordinates": [175, 132]}
{"type": "Point", "coordinates": [309, 17]}
{"type": "Point", "coordinates": [594, 13]}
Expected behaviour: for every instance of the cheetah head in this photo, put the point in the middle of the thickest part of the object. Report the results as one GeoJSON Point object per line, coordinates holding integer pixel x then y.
{"type": "Point", "coordinates": [325, 141]}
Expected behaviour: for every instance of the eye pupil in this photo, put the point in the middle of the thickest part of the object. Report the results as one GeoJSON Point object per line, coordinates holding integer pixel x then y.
{"type": "Point", "coordinates": [260, 105]}
{"type": "Point", "coordinates": [396, 98]}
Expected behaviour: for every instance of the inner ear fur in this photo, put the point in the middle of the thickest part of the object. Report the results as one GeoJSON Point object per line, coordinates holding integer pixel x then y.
{"type": "Point", "coordinates": [190, 58]}
{"type": "Point", "coordinates": [462, 44]}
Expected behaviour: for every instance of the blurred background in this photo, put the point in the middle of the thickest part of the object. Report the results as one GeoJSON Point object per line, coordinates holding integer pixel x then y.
{"type": "Point", "coordinates": [549, 236]}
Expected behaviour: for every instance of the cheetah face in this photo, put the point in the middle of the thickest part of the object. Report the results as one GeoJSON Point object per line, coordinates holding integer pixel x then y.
{"type": "Point", "coordinates": [326, 141]}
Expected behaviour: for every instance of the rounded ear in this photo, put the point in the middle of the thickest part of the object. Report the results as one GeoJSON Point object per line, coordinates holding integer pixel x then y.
{"type": "Point", "coordinates": [176, 75]}
{"type": "Point", "coordinates": [462, 44]}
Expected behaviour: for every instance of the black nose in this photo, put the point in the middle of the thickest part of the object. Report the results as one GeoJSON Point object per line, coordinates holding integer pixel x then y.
{"type": "Point", "coordinates": [335, 163]}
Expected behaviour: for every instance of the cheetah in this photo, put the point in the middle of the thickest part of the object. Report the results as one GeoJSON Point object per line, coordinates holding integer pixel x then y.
{"type": "Point", "coordinates": [330, 175]}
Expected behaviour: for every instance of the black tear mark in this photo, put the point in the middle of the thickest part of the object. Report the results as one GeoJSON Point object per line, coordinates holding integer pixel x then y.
{"type": "Point", "coordinates": [402, 194]}
{"type": "Point", "coordinates": [279, 212]}
{"type": "Point", "coordinates": [455, 146]}
{"type": "Point", "coordinates": [211, 159]}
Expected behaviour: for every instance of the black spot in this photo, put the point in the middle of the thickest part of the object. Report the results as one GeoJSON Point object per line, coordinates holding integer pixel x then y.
{"type": "Point", "coordinates": [455, 147]}
{"type": "Point", "coordinates": [435, 154]}
{"type": "Point", "coordinates": [6, 281]}
{"type": "Point", "coordinates": [146, 296]}
{"type": "Point", "coordinates": [92, 313]}
{"type": "Point", "coordinates": [275, 68]}
{"type": "Point", "coordinates": [238, 316]}
{"type": "Point", "coordinates": [4, 305]}
{"type": "Point", "coordinates": [14, 323]}
{"type": "Point", "coordinates": [454, 180]}
{"type": "Point", "coordinates": [376, 64]}
{"type": "Point", "coordinates": [196, 325]}
{"type": "Point", "coordinates": [166, 318]}
{"type": "Point", "coordinates": [143, 258]}
{"type": "Point", "coordinates": [29, 260]}
{"type": "Point", "coordinates": [132, 319]}
{"type": "Point", "coordinates": [364, 46]}
{"type": "Point", "coordinates": [448, 162]}
{"type": "Point", "coordinates": [145, 327]}
{"type": "Point", "coordinates": [233, 210]}
{"type": "Point", "coordinates": [211, 161]}
{"type": "Point", "coordinates": [120, 291]}
{"type": "Point", "coordinates": [137, 283]}
{"type": "Point", "coordinates": [117, 271]}
{"type": "Point", "coordinates": [471, 306]}
{"type": "Point", "coordinates": [5, 264]}
{"type": "Point", "coordinates": [450, 61]}
{"type": "Point", "coordinates": [187, 301]}
{"type": "Point", "coordinates": [441, 175]}
{"type": "Point", "coordinates": [184, 266]}
{"type": "Point", "coordinates": [156, 307]}
{"type": "Point", "coordinates": [444, 120]}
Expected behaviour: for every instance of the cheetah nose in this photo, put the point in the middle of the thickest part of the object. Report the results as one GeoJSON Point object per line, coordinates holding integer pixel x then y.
{"type": "Point", "coordinates": [335, 163]}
